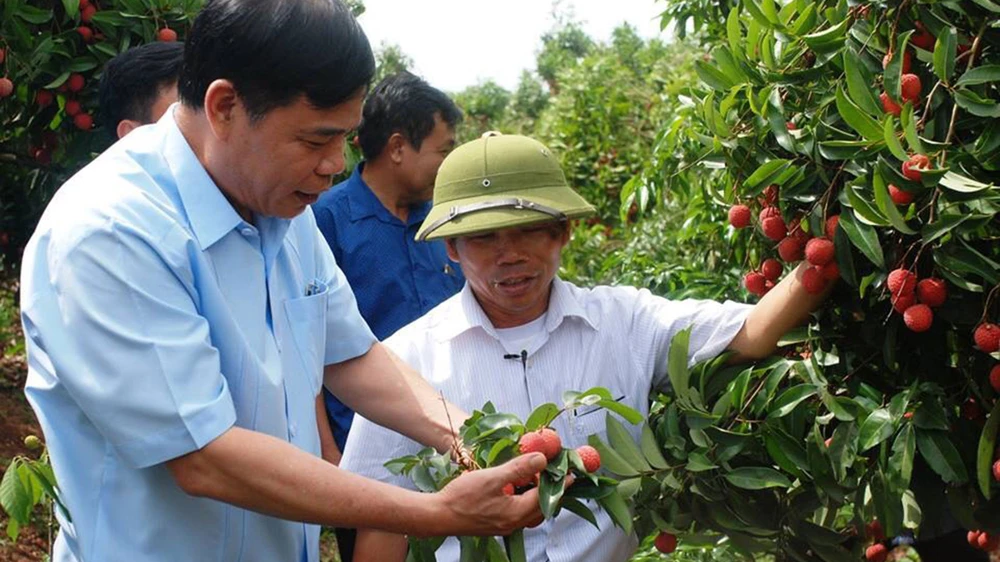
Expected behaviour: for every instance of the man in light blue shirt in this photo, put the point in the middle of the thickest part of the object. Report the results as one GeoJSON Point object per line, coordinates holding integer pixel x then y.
{"type": "Point", "coordinates": [182, 313]}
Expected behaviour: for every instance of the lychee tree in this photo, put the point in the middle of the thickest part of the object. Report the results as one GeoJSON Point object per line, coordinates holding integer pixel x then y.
{"type": "Point", "coordinates": [863, 139]}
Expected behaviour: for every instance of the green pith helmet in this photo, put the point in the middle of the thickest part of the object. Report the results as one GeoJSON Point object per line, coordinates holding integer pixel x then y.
{"type": "Point", "coordinates": [499, 181]}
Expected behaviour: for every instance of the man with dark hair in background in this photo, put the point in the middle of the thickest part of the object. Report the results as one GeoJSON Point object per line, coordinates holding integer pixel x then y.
{"type": "Point", "coordinates": [371, 219]}
{"type": "Point", "coordinates": [182, 311]}
{"type": "Point", "coordinates": [138, 86]}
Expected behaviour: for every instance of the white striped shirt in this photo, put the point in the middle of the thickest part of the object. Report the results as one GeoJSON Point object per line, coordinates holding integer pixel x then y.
{"type": "Point", "coordinates": [614, 337]}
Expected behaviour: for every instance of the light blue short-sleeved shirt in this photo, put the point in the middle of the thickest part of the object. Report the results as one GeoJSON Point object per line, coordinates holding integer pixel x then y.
{"type": "Point", "coordinates": [156, 319]}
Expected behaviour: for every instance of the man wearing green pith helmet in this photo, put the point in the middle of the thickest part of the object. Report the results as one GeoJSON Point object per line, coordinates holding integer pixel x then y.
{"type": "Point", "coordinates": [519, 336]}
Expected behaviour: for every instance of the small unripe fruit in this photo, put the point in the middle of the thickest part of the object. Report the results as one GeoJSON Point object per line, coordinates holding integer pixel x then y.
{"type": "Point", "coordinates": [75, 82]}
{"type": "Point", "coordinates": [987, 337]}
{"type": "Point", "coordinates": [906, 64]}
{"type": "Point", "coordinates": [83, 121]}
{"type": "Point", "coordinates": [819, 251]}
{"type": "Point", "coordinates": [6, 87]}
{"type": "Point", "coordinates": [932, 291]}
{"type": "Point", "coordinates": [32, 442]}
{"type": "Point", "coordinates": [739, 216]}
{"type": "Point", "coordinates": [754, 282]}
{"type": "Point", "coordinates": [890, 106]}
{"type": "Point", "coordinates": [900, 197]}
{"type": "Point", "coordinates": [901, 282]}
{"type": "Point", "coordinates": [910, 87]}
{"type": "Point", "coordinates": [995, 380]}
{"type": "Point", "coordinates": [813, 280]}
{"type": "Point", "coordinates": [166, 35]}
{"type": "Point", "coordinates": [902, 302]}
{"type": "Point", "coordinates": [72, 108]}
{"type": "Point", "coordinates": [590, 457]}
{"type": "Point", "coordinates": [912, 167]}
{"type": "Point", "coordinates": [85, 33]}
{"type": "Point", "coordinates": [918, 318]}
{"type": "Point", "coordinates": [771, 268]}
{"type": "Point", "coordinates": [44, 98]}
{"type": "Point", "coordinates": [876, 553]}
{"type": "Point", "coordinates": [790, 249]}
{"type": "Point", "coordinates": [665, 543]}
{"type": "Point", "coordinates": [831, 226]}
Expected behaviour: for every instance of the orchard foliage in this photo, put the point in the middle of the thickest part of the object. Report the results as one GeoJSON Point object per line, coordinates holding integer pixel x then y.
{"type": "Point", "coordinates": [882, 408]}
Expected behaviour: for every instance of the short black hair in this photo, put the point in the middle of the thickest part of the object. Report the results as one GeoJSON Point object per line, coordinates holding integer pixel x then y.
{"type": "Point", "coordinates": [274, 51]}
{"type": "Point", "coordinates": [403, 103]}
{"type": "Point", "coordinates": [132, 80]}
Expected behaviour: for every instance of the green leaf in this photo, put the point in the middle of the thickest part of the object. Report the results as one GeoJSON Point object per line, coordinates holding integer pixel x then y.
{"type": "Point", "coordinates": [876, 428]}
{"type": "Point", "coordinates": [910, 129]}
{"type": "Point", "coordinates": [651, 449]}
{"type": "Point", "coordinates": [610, 459]}
{"type": "Point", "coordinates": [62, 78]}
{"type": "Point", "coordinates": [891, 140]}
{"type": "Point", "coordinates": [33, 15]}
{"type": "Point", "coordinates": [550, 492]}
{"type": "Point", "coordinates": [495, 551]}
{"type": "Point", "coordinates": [962, 184]}
{"type": "Point", "coordinates": [864, 238]}
{"type": "Point", "coordinates": [791, 398]}
{"type": "Point", "coordinates": [942, 456]}
{"type": "Point", "coordinates": [576, 506]}
{"type": "Point", "coordinates": [15, 497]}
{"type": "Point", "coordinates": [829, 39]}
{"type": "Point", "coordinates": [976, 105]}
{"type": "Point", "coordinates": [757, 478]}
{"type": "Point", "coordinates": [863, 209]}
{"type": "Point", "coordinates": [893, 72]}
{"type": "Point", "coordinates": [677, 362]}
{"type": "Point", "coordinates": [765, 173]}
{"type": "Point", "coordinates": [616, 508]}
{"type": "Point", "coordinates": [713, 77]}
{"type": "Point", "coordinates": [621, 440]}
{"type": "Point", "coordinates": [944, 54]}
{"type": "Point", "coordinates": [859, 84]}
{"type": "Point", "coordinates": [943, 225]}
{"type": "Point", "coordinates": [904, 450]}
{"type": "Point", "coordinates": [72, 8]}
{"type": "Point", "coordinates": [541, 416]}
{"type": "Point", "coordinates": [885, 204]}
{"type": "Point", "coordinates": [980, 75]}
{"type": "Point", "coordinates": [857, 119]}
{"type": "Point", "coordinates": [987, 446]}
{"type": "Point", "coordinates": [699, 462]}
{"type": "Point", "coordinates": [514, 543]}
{"type": "Point", "coordinates": [629, 414]}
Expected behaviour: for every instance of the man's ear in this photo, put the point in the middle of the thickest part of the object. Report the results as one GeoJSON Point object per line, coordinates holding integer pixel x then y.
{"type": "Point", "coordinates": [564, 236]}
{"type": "Point", "coordinates": [451, 247]}
{"type": "Point", "coordinates": [394, 148]}
{"type": "Point", "coordinates": [126, 126]}
{"type": "Point", "coordinates": [222, 105]}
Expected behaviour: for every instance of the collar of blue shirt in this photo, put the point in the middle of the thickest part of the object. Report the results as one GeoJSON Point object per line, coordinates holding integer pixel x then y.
{"type": "Point", "coordinates": [362, 202]}
{"type": "Point", "coordinates": [562, 305]}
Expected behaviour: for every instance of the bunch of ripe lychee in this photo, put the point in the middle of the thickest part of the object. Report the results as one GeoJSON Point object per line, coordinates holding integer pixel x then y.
{"type": "Point", "coordinates": [914, 299]}
{"type": "Point", "coordinates": [877, 552]}
{"type": "Point", "coordinates": [983, 540]}
{"type": "Point", "coordinates": [546, 441]}
{"type": "Point", "coordinates": [794, 244]}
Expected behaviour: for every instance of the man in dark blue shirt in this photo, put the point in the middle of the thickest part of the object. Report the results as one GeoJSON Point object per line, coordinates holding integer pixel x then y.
{"type": "Point", "coordinates": [371, 219]}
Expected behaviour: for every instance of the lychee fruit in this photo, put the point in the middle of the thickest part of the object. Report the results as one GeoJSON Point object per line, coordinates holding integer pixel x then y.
{"type": "Point", "coordinates": [75, 82]}
{"type": "Point", "coordinates": [970, 409]}
{"type": "Point", "coordinates": [85, 33]}
{"type": "Point", "coordinates": [774, 228]}
{"type": "Point", "coordinates": [973, 538]}
{"type": "Point", "coordinates": [902, 302]}
{"type": "Point", "coordinates": [910, 87]}
{"type": "Point", "coordinates": [552, 445]}
{"type": "Point", "coordinates": [876, 553]}
{"type": "Point", "coordinates": [923, 38]}
{"type": "Point", "coordinates": [771, 268]}
{"type": "Point", "coordinates": [987, 337]}
{"type": "Point", "coordinates": [819, 251]}
{"type": "Point", "coordinates": [988, 542]}
{"type": "Point", "coordinates": [813, 280]}
{"type": "Point", "coordinates": [72, 108]}
{"type": "Point", "coordinates": [874, 531]}
{"type": "Point", "coordinates": [6, 87]}
{"type": "Point", "coordinates": [166, 35]}
{"type": "Point", "coordinates": [590, 457]}
{"type": "Point", "coordinates": [995, 378]}
{"type": "Point", "coordinates": [831, 271]}
{"type": "Point", "coordinates": [44, 98]}
{"type": "Point", "coordinates": [739, 216]}
{"type": "Point", "coordinates": [790, 249]}
{"type": "Point", "coordinates": [899, 196]}
{"type": "Point", "coordinates": [918, 318]}
{"type": "Point", "coordinates": [531, 442]}
{"type": "Point", "coordinates": [901, 282]}
{"type": "Point", "coordinates": [791, 126]}
{"type": "Point", "coordinates": [87, 13]}
{"type": "Point", "coordinates": [890, 106]}
{"type": "Point", "coordinates": [83, 121]}
{"type": "Point", "coordinates": [912, 167]}
{"type": "Point", "coordinates": [771, 194]}
{"type": "Point", "coordinates": [996, 471]}
{"type": "Point", "coordinates": [754, 282]}
{"type": "Point", "coordinates": [906, 64]}
{"type": "Point", "coordinates": [831, 226]}
{"type": "Point", "coordinates": [932, 291]}
{"type": "Point", "coordinates": [665, 543]}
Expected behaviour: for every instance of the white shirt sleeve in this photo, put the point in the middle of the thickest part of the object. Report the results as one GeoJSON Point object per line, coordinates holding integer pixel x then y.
{"type": "Point", "coordinates": [370, 445]}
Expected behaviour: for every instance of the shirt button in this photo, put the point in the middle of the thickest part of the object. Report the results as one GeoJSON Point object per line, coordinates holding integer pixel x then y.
{"type": "Point", "coordinates": [292, 430]}
{"type": "Point", "coordinates": [247, 231]}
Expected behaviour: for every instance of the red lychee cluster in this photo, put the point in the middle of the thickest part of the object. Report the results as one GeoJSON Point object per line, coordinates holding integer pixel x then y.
{"type": "Point", "coordinates": [983, 540]}
{"type": "Point", "coordinates": [544, 440]}
{"type": "Point", "coordinates": [914, 299]}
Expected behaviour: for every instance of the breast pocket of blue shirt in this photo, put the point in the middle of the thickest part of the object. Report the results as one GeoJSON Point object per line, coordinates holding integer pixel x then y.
{"type": "Point", "coordinates": [307, 320]}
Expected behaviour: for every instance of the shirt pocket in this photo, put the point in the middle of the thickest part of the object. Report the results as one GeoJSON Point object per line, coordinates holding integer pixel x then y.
{"type": "Point", "coordinates": [589, 420]}
{"type": "Point", "coordinates": [307, 322]}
